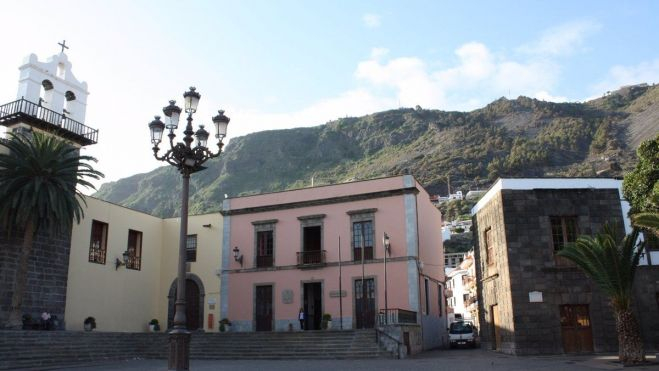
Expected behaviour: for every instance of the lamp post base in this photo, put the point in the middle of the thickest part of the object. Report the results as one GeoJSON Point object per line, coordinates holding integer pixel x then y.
{"type": "Point", "coordinates": [179, 350]}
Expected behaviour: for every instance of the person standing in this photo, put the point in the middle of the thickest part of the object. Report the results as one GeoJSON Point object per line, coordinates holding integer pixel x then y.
{"type": "Point", "coordinates": [300, 316]}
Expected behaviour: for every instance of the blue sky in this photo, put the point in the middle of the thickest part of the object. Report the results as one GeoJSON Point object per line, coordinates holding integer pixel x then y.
{"type": "Point", "coordinates": [279, 64]}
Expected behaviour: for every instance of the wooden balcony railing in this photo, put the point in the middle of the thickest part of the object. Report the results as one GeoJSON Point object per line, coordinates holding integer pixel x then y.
{"type": "Point", "coordinates": [396, 316]}
{"type": "Point", "coordinates": [310, 258]}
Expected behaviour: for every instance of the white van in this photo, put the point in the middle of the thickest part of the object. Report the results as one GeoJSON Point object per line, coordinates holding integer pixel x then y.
{"type": "Point", "coordinates": [462, 333]}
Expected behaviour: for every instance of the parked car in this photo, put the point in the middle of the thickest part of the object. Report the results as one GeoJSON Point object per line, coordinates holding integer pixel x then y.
{"type": "Point", "coordinates": [462, 333]}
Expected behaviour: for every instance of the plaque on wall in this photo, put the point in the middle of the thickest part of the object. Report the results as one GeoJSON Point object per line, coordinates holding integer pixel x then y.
{"type": "Point", "coordinates": [535, 297]}
{"type": "Point", "coordinates": [287, 296]}
{"type": "Point", "coordinates": [337, 293]}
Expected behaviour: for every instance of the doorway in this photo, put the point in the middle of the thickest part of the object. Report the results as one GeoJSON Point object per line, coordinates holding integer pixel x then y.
{"type": "Point", "coordinates": [365, 303]}
{"type": "Point", "coordinates": [194, 304]}
{"type": "Point", "coordinates": [575, 329]}
{"type": "Point", "coordinates": [263, 312]}
{"type": "Point", "coordinates": [496, 332]}
{"type": "Point", "coordinates": [313, 305]}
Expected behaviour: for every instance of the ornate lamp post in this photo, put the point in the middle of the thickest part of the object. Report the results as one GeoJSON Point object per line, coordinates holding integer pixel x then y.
{"type": "Point", "coordinates": [187, 159]}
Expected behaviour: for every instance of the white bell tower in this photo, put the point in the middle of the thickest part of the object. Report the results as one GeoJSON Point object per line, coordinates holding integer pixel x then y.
{"type": "Point", "coordinates": [50, 98]}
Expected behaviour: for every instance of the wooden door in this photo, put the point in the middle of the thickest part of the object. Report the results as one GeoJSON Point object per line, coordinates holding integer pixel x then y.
{"type": "Point", "coordinates": [575, 329]}
{"type": "Point", "coordinates": [263, 308]}
{"type": "Point", "coordinates": [496, 324]}
{"type": "Point", "coordinates": [365, 303]}
{"type": "Point", "coordinates": [313, 305]}
{"type": "Point", "coordinates": [193, 320]}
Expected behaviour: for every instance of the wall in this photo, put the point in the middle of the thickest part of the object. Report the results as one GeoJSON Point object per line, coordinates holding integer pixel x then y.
{"type": "Point", "coordinates": [48, 266]}
{"type": "Point", "coordinates": [646, 304]}
{"type": "Point", "coordinates": [494, 279]}
{"type": "Point", "coordinates": [120, 299]}
{"type": "Point", "coordinates": [205, 268]}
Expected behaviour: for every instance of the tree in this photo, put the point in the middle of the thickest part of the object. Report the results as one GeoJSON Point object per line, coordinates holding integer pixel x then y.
{"type": "Point", "coordinates": [649, 220]}
{"type": "Point", "coordinates": [611, 262]}
{"type": "Point", "coordinates": [38, 182]}
{"type": "Point", "coordinates": [642, 184]}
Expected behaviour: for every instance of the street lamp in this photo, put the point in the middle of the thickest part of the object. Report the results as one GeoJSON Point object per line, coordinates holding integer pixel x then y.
{"type": "Point", "coordinates": [187, 159]}
{"type": "Point", "coordinates": [387, 251]}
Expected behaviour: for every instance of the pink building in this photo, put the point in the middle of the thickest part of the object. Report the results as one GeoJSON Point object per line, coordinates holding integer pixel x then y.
{"type": "Point", "coordinates": [303, 249]}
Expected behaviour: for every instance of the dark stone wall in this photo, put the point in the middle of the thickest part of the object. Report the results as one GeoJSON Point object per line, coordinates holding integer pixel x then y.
{"type": "Point", "coordinates": [526, 263]}
{"type": "Point", "coordinates": [47, 274]}
{"type": "Point", "coordinates": [646, 301]}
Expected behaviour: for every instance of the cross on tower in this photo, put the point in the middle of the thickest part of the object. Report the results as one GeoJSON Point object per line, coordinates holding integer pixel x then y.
{"type": "Point", "coordinates": [63, 45]}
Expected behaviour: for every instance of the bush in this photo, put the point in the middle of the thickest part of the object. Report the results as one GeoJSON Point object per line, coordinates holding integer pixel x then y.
{"type": "Point", "coordinates": [91, 321]}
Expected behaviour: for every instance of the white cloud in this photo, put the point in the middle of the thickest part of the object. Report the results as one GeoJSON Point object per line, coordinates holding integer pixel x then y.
{"type": "Point", "coordinates": [372, 20]}
{"type": "Point", "coordinates": [356, 102]}
{"type": "Point", "coordinates": [543, 95]}
{"type": "Point", "coordinates": [477, 77]}
{"type": "Point", "coordinates": [618, 76]}
{"type": "Point", "coordinates": [377, 53]}
{"type": "Point", "coordinates": [561, 40]}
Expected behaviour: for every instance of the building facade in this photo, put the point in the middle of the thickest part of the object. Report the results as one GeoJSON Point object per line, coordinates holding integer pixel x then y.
{"type": "Point", "coordinates": [122, 269]}
{"type": "Point", "coordinates": [530, 300]}
{"type": "Point", "coordinates": [321, 251]}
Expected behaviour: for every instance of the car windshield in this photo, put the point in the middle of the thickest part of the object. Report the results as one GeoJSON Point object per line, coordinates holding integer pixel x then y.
{"type": "Point", "coordinates": [460, 328]}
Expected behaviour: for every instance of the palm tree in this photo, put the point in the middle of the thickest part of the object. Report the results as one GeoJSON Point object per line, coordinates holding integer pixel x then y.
{"type": "Point", "coordinates": [611, 262]}
{"type": "Point", "coordinates": [38, 182]}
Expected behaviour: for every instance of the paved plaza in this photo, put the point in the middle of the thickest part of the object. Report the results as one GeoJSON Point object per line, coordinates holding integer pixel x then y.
{"type": "Point", "coordinates": [454, 360]}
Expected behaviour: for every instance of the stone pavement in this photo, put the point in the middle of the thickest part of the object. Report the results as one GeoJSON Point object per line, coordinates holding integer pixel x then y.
{"type": "Point", "coordinates": [454, 360]}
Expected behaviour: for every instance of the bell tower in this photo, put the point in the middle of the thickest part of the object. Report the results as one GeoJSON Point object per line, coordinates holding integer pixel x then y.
{"type": "Point", "coordinates": [51, 99]}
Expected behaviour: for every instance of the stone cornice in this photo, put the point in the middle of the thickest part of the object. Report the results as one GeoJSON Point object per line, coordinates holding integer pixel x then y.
{"type": "Point", "coordinates": [322, 201]}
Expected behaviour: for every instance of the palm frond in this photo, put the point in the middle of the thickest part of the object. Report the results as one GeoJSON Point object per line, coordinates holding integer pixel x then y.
{"type": "Point", "coordinates": [610, 261]}
{"type": "Point", "coordinates": [39, 176]}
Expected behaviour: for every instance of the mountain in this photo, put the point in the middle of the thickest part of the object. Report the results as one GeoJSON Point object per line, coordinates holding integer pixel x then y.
{"type": "Point", "coordinates": [521, 137]}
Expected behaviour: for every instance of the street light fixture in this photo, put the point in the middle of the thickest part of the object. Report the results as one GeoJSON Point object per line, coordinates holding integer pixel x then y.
{"type": "Point", "coordinates": [187, 159]}
{"type": "Point", "coordinates": [386, 243]}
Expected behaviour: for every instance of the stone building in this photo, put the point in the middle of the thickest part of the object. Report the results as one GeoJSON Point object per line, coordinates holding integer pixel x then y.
{"type": "Point", "coordinates": [532, 301]}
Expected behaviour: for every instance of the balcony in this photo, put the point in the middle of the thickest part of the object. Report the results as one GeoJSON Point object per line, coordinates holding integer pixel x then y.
{"type": "Point", "coordinates": [48, 120]}
{"type": "Point", "coordinates": [448, 293]}
{"type": "Point", "coordinates": [396, 316]}
{"type": "Point", "coordinates": [311, 259]}
{"type": "Point", "coordinates": [264, 261]}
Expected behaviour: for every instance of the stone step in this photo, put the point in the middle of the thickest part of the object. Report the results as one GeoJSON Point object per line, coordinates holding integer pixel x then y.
{"type": "Point", "coordinates": [40, 349]}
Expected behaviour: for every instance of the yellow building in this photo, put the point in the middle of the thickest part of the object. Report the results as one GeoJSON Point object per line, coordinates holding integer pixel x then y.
{"type": "Point", "coordinates": [124, 292]}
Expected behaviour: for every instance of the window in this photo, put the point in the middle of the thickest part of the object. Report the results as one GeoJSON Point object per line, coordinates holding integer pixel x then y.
{"type": "Point", "coordinates": [98, 242]}
{"type": "Point", "coordinates": [191, 248]}
{"type": "Point", "coordinates": [362, 237]}
{"type": "Point", "coordinates": [264, 249]}
{"type": "Point", "coordinates": [563, 231]}
{"type": "Point", "coordinates": [489, 246]}
{"type": "Point", "coordinates": [264, 243]}
{"type": "Point", "coordinates": [134, 250]}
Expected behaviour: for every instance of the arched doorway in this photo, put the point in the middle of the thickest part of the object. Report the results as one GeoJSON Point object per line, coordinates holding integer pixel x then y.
{"type": "Point", "coordinates": [194, 299]}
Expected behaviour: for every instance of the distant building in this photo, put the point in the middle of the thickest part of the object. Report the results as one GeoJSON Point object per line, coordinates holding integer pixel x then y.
{"type": "Point", "coordinates": [532, 301]}
{"type": "Point", "coordinates": [453, 259]}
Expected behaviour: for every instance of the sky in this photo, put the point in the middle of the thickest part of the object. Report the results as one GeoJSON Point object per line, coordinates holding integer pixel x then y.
{"type": "Point", "coordinates": [282, 64]}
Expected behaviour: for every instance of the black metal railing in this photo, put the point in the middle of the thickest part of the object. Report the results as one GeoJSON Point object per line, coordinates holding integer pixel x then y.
{"type": "Point", "coordinates": [264, 261]}
{"type": "Point", "coordinates": [396, 316]}
{"type": "Point", "coordinates": [314, 257]}
{"type": "Point", "coordinates": [59, 120]}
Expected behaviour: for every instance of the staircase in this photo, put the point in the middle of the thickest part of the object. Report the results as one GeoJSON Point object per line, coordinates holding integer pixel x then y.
{"type": "Point", "coordinates": [347, 344]}
{"type": "Point", "coordinates": [43, 349]}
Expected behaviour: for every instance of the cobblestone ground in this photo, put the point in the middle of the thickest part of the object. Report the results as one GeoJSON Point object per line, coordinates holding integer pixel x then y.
{"type": "Point", "coordinates": [453, 360]}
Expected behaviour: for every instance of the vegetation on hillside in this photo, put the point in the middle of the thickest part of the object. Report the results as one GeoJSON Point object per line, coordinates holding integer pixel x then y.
{"type": "Point", "coordinates": [521, 137]}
